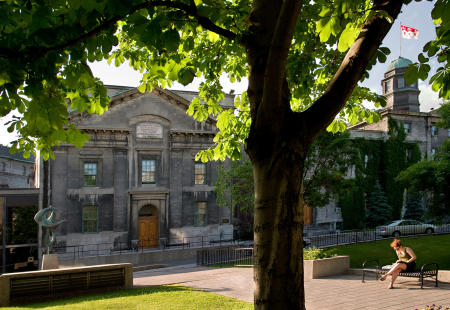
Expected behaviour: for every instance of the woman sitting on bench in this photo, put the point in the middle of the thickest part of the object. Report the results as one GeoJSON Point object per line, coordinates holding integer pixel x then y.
{"type": "Point", "coordinates": [406, 262]}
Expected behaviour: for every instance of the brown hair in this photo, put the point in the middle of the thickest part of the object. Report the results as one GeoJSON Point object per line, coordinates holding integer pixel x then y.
{"type": "Point", "coordinates": [396, 243]}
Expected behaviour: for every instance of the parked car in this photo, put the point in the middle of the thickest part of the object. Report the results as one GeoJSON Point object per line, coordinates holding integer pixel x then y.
{"type": "Point", "coordinates": [405, 227]}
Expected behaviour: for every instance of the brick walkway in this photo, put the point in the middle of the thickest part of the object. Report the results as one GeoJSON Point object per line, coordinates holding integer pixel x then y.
{"type": "Point", "coordinates": [339, 292]}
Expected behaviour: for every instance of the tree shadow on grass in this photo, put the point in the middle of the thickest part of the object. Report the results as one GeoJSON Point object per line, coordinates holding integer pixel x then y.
{"type": "Point", "coordinates": [70, 298]}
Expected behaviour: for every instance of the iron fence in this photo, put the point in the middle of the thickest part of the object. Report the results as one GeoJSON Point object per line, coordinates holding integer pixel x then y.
{"type": "Point", "coordinates": [225, 255]}
{"type": "Point", "coordinates": [234, 255]}
{"type": "Point", "coordinates": [353, 236]}
{"type": "Point", "coordinates": [144, 245]}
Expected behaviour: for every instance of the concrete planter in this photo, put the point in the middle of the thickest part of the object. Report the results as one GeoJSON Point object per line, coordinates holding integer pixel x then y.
{"type": "Point", "coordinates": [317, 268]}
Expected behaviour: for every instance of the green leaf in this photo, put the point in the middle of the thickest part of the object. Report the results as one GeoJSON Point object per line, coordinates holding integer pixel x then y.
{"type": "Point", "coordinates": [422, 58]}
{"type": "Point", "coordinates": [186, 75]}
{"type": "Point", "coordinates": [172, 40]}
{"type": "Point", "coordinates": [142, 87]}
{"type": "Point", "coordinates": [423, 71]}
{"type": "Point", "coordinates": [411, 74]}
{"type": "Point", "coordinates": [348, 36]}
{"type": "Point", "coordinates": [325, 30]}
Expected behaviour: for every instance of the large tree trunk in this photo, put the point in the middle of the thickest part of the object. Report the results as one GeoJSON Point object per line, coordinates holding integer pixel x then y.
{"type": "Point", "coordinates": [277, 152]}
{"type": "Point", "coordinates": [279, 140]}
{"type": "Point", "coordinates": [278, 231]}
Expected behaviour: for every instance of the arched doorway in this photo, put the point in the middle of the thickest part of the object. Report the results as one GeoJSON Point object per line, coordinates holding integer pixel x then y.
{"type": "Point", "coordinates": [148, 227]}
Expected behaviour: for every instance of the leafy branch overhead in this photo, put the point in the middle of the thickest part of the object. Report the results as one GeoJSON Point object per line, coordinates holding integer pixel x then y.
{"type": "Point", "coordinates": [45, 48]}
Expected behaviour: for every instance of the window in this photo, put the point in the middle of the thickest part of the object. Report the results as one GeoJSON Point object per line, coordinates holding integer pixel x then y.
{"type": "Point", "coordinates": [448, 132]}
{"type": "Point", "coordinates": [434, 131]}
{"type": "Point", "coordinates": [24, 170]}
{"type": "Point", "coordinates": [408, 154]}
{"type": "Point", "coordinates": [387, 86]}
{"type": "Point", "coordinates": [90, 219]}
{"type": "Point", "coordinates": [148, 171]}
{"type": "Point", "coordinates": [90, 174]}
{"type": "Point", "coordinates": [400, 82]}
{"type": "Point", "coordinates": [200, 215]}
{"type": "Point", "coordinates": [366, 160]}
{"type": "Point", "coordinates": [200, 174]}
{"type": "Point", "coordinates": [433, 153]}
{"type": "Point", "coordinates": [407, 127]}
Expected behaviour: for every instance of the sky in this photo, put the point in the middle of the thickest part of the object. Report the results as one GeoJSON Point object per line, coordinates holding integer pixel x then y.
{"type": "Point", "coordinates": [416, 15]}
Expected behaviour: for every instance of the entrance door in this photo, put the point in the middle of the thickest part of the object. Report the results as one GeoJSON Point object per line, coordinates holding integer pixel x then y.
{"type": "Point", "coordinates": [148, 231]}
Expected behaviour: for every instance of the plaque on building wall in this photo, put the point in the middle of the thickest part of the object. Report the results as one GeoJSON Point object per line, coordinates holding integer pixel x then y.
{"type": "Point", "coordinates": [149, 130]}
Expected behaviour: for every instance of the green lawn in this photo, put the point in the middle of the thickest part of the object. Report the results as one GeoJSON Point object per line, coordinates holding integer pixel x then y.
{"type": "Point", "coordinates": [157, 297]}
{"type": "Point", "coordinates": [428, 249]}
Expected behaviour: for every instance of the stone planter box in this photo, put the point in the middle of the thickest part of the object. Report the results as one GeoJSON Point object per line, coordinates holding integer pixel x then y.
{"type": "Point", "coordinates": [317, 268]}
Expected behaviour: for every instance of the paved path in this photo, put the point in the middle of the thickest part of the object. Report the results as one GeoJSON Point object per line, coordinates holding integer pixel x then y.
{"type": "Point", "coordinates": [339, 292]}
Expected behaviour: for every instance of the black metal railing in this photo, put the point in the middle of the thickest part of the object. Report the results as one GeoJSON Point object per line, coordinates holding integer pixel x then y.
{"type": "Point", "coordinates": [231, 255]}
{"type": "Point", "coordinates": [353, 236]}
{"type": "Point", "coordinates": [234, 255]}
{"type": "Point", "coordinates": [144, 245]}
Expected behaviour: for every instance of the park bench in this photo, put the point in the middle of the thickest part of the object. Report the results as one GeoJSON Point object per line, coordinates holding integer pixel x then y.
{"type": "Point", "coordinates": [429, 270]}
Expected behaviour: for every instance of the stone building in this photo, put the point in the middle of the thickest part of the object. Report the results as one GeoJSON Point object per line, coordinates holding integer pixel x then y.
{"type": "Point", "coordinates": [18, 199]}
{"type": "Point", "coordinates": [403, 105]}
{"type": "Point", "coordinates": [15, 170]}
{"type": "Point", "coordinates": [137, 180]}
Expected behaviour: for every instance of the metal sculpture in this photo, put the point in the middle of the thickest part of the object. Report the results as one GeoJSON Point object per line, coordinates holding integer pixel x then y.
{"type": "Point", "coordinates": [47, 218]}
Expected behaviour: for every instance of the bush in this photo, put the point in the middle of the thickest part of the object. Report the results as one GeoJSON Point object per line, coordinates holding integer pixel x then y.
{"type": "Point", "coordinates": [315, 253]}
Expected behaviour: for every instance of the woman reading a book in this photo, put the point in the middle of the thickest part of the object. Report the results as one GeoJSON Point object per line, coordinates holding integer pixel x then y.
{"type": "Point", "coordinates": [406, 261]}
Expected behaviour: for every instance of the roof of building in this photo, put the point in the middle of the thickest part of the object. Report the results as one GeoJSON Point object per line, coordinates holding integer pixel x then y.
{"type": "Point", "coordinates": [4, 153]}
{"type": "Point", "coordinates": [399, 63]}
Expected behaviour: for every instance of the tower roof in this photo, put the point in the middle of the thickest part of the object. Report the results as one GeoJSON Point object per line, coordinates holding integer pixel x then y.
{"type": "Point", "coordinates": [399, 63]}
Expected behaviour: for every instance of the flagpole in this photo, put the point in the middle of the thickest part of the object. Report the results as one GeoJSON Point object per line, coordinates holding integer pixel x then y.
{"type": "Point", "coordinates": [400, 55]}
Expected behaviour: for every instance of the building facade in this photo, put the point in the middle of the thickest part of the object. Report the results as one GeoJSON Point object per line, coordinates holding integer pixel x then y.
{"type": "Point", "coordinates": [136, 181]}
{"type": "Point", "coordinates": [15, 170]}
{"type": "Point", "coordinates": [403, 106]}
{"type": "Point", "coordinates": [19, 201]}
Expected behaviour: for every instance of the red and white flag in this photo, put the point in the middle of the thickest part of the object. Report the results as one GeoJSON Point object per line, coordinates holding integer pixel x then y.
{"type": "Point", "coordinates": [409, 33]}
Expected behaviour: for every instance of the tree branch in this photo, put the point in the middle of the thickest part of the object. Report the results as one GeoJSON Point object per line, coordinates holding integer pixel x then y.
{"type": "Point", "coordinates": [189, 10]}
{"type": "Point", "coordinates": [323, 111]}
{"type": "Point", "coordinates": [275, 74]}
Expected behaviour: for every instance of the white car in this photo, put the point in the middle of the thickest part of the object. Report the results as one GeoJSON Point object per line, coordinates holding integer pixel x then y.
{"type": "Point", "coordinates": [405, 227]}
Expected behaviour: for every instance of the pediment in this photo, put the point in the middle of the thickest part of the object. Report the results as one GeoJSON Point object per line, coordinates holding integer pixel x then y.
{"type": "Point", "coordinates": [129, 107]}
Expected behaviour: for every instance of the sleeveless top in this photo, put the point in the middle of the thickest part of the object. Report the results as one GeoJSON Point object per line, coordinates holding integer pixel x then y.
{"type": "Point", "coordinates": [403, 256]}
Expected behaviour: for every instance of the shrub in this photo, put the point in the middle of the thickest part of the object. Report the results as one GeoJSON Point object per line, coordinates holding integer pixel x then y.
{"type": "Point", "coordinates": [315, 253]}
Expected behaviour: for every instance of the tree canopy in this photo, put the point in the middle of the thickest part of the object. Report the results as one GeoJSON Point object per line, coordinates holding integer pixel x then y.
{"type": "Point", "coordinates": [45, 48]}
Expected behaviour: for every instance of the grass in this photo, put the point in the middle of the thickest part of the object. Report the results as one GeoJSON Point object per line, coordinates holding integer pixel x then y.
{"type": "Point", "coordinates": [171, 297]}
{"type": "Point", "coordinates": [428, 249]}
